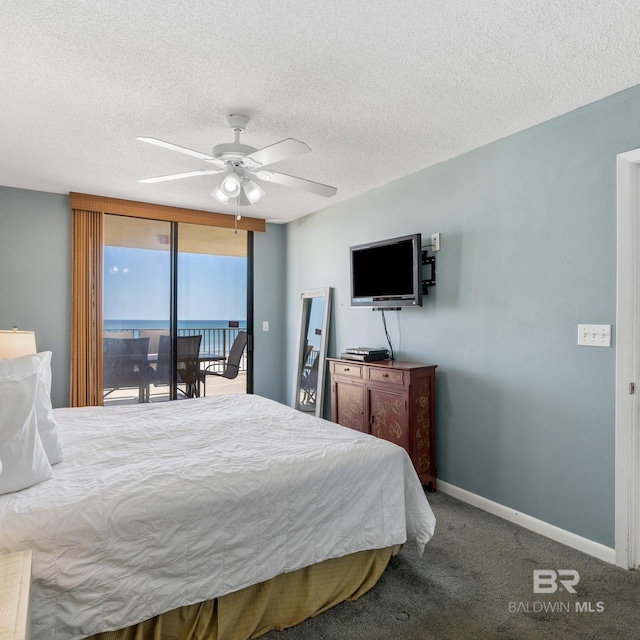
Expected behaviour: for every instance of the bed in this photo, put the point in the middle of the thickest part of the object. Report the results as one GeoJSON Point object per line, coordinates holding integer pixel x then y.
{"type": "Point", "coordinates": [163, 507]}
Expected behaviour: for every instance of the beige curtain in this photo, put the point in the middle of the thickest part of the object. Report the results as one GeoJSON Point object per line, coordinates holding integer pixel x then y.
{"type": "Point", "coordinates": [117, 207]}
{"type": "Point", "coordinates": [86, 308]}
{"type": "Point", "coordinates": [86, 289]}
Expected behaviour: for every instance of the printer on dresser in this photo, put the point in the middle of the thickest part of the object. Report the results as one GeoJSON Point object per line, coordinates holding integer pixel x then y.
{"type": "Point", "coordinates": [391, 400]}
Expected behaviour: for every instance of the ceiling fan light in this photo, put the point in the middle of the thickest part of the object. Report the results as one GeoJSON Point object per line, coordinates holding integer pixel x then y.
{"type": "Point", "coordinates": [231, 185]}
{"type": "Point", "coordinates": [220, 195]}
{"type": "Point", "coordinates": [252, 191]}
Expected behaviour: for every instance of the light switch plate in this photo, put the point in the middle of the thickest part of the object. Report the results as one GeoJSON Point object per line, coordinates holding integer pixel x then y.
{"type": "Point", "coordinates": [594, 335]}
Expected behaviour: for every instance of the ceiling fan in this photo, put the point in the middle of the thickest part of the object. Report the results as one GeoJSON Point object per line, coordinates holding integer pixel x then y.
{"type": "Point", "coordinates": [239, 162]}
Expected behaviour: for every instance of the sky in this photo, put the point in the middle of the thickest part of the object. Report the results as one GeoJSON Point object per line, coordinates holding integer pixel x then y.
{"type": "Point", "coordinates": [136, 285]}
{"type": "Point", "coordinates": [314, 329]}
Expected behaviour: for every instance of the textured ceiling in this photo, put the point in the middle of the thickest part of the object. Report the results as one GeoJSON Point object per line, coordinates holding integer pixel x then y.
{"type": "Point", "coordinates": [378, 89]}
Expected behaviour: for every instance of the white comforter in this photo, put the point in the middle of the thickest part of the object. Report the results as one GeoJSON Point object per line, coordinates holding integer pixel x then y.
{"type": "Point", "coordinates": [162, 505]}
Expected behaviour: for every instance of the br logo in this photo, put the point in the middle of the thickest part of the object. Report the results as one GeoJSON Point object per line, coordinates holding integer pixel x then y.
{"type": "Point", "coordinates": [546, 580]}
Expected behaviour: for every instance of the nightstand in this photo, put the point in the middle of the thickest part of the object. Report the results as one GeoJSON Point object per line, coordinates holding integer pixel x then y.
{"type": "Point", "coordinates": [15, 596]}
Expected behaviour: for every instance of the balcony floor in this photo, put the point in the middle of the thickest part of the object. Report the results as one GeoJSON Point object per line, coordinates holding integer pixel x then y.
{"type": "Point", "coordinates": [215, 387]}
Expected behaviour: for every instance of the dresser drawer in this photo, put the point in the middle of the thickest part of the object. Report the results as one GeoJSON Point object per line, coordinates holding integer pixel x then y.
{"type": "Point", "coordinates": [344, 369]}
{"type": "Point", "coordinates": [389, 376]}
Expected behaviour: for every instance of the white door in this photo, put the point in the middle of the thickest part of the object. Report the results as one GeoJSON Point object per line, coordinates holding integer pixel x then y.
{"type": "Point", "coordinates": [627, 446]}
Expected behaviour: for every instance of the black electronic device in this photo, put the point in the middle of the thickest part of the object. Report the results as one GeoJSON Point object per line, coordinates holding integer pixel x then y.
{"type": "Point", "coordinates": [387, 274]}
{"type": "Point", "coordinates": [366, 357]}
{"type": "Point", "coordinates": [366, 351]}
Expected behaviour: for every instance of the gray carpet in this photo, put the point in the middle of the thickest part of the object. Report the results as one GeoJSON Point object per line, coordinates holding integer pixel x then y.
{"type": "Point", "coordinates": [475, 581]}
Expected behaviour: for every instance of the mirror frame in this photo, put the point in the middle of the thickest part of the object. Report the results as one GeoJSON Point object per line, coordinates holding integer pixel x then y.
{"type": "Point", "coordinates": [306, 299]}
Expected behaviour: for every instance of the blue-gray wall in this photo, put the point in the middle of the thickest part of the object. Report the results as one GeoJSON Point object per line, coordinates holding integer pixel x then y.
{"type": "Point", "coordinates": [35, 275]}
{"type": "Point", "coordinates": [524, 416]}
{"type": "Point", "coordinates": [269, 298]}
{"type": "Point", "coordinates": [35, 286]}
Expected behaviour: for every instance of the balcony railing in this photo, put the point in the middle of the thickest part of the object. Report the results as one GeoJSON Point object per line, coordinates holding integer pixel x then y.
{"type": "Point", "coordinates": [216, 340]}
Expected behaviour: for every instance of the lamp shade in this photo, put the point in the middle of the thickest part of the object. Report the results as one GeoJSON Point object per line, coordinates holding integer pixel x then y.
{"type": "Point", "coordinates": [252, 191]}
{"type": "Point", "coordinates": [219, 195]}
{"type": "Point", "coordinates": [14, 344]}
{"type": "Point", "coordinates": [231, 185]}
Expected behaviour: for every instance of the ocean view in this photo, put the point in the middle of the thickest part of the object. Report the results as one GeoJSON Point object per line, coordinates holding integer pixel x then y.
{"type": "Point", "coordinates": [124, 325]}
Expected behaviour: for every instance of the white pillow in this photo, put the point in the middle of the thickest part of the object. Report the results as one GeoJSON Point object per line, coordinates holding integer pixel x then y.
{"type": "Point", "coordinates": [24, 461]}
{"type": "Point", "coordinates": [47, 426]}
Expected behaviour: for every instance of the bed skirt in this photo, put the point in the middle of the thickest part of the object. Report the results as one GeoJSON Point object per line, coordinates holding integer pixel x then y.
{"type": "Point", "coordinates": [276, 604]}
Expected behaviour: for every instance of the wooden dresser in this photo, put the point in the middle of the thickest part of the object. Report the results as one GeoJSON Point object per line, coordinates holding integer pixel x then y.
{"type": "Point", "coordinates": [391, 400]}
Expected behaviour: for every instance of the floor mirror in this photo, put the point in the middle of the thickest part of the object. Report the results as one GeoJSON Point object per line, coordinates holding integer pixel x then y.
{"type": "Point", "coordinates": [310, 368]}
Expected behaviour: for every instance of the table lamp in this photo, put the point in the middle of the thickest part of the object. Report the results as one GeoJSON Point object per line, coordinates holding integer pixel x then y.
{"type": "Point", "coordinates": [14, 343]}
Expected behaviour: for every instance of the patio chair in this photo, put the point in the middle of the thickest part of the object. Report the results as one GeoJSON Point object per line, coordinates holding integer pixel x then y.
{"type": "Point", "coordinates": [126, 365]}
{"type": "Point", "coordinates": [310, 383]}
{"type": "Point", "coordinates": [154, 337]}
{"type": "Point", "coordinates": [188, 367]}
{"type": "Point", "coordinates": [232, 362]}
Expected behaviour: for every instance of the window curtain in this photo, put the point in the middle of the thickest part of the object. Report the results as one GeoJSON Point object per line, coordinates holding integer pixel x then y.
{"type": "Point", "coordinates": [87, 277]}
{"type": "Point", "coordinates": [86, 308]}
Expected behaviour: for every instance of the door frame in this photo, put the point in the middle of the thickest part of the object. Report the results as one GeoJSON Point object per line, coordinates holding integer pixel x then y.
{"type": "Point", "coordinates": [627, 441]}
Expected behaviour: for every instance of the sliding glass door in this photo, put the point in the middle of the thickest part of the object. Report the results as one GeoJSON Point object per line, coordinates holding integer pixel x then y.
{"type": "Point", "coordinates": [137, 283]}
{"type": "Point", "coordinates": [175, 300]}
{"type": "Point", "coordinates": [212, 269]}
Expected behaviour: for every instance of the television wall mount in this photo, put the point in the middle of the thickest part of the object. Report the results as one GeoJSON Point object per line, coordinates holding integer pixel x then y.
{"type": "Point", "coordinates": [430, 261]}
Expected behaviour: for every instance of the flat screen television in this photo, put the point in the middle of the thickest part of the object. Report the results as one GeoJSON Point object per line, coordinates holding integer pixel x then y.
{"type": "Point", "coordinates": [387, 274]}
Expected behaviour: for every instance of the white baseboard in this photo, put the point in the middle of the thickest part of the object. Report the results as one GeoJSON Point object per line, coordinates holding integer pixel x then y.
{"type": "Point", "coordinates": [589, 547]}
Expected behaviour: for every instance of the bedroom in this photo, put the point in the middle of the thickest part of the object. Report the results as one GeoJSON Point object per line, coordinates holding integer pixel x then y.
{"type": "Point", "coordinates": [525, 418]}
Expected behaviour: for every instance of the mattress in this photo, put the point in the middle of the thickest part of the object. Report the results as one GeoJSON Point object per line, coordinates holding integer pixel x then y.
{"type": "Point", "coordinates": [159, 506]}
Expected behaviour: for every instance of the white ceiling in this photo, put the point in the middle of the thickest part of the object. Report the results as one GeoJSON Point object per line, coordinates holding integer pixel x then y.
{"type": "Point", "coordinates": [378, 89]}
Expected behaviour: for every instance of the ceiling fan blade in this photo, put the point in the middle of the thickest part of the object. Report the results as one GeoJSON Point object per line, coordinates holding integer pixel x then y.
{"type": "Point", "coordinates": [282, 150]}
{"type": "Point", "coordinates": [178, 176]}
{"type": "Point", "coordinates": [297, 183]}
{"type": "Point", "coordinates": [175, 147]}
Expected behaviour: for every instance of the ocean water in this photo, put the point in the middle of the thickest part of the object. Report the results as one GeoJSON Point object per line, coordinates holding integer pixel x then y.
{"type": "Point", "coordinates": [124, 325]}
